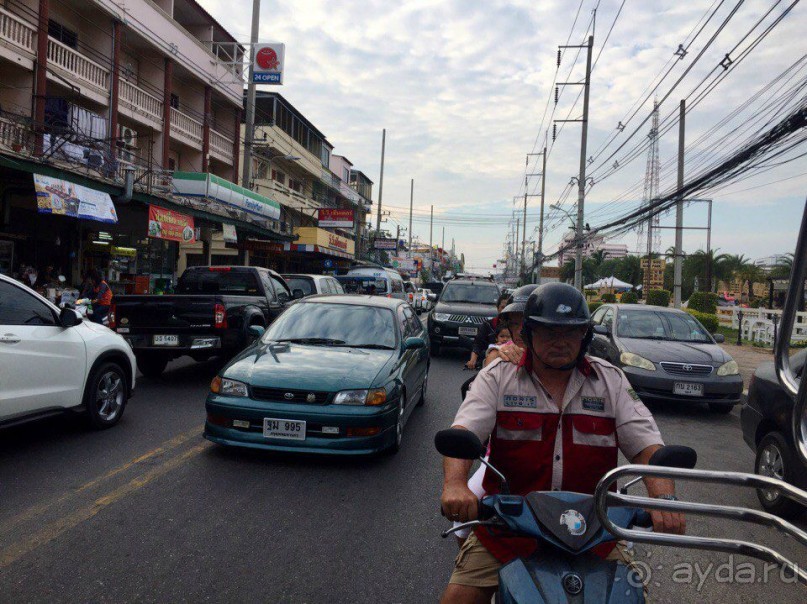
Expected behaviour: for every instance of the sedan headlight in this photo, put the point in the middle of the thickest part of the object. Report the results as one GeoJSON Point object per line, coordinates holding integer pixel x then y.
{"type": "Point", "coordinates": [441, 316]}
{"type": "Point", "coordinates": [730, 368]}
{"type": "Point", "coordinates": [634, 360]}
{"type": "Point", "coordinates": [374, 397]}
{"type": "Point", "coordinates": [228, 387]}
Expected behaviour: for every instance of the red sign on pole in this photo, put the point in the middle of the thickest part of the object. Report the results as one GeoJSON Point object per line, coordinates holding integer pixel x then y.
{"type": "Point", "coordinates": [167, 224]}
{"type": "Point", "coordinates": [335, 218]}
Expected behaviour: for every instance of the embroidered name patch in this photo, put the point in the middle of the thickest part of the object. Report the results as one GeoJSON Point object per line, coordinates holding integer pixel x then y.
{"type": "Point", "coordinates": [633, 394]}
{"type": "Point", "coordinates": [593, 403]}
{"type": "Point", "coordinates": [529, 402]}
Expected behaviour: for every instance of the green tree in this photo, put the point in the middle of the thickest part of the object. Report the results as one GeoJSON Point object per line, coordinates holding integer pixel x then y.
{"type": "Point", "coordinates": [598, 257]}
{"type": "Point", "coordinates": [629, 270]}
{"type": "Point", "coordinates": [783, 268]}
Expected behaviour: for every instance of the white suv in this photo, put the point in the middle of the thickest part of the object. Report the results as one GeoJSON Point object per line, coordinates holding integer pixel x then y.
{"type": "Point", "coordinates": [52, 361]}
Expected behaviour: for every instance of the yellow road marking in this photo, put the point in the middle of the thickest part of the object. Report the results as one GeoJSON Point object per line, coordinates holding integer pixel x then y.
{"type": "Point", "coordinates": [53, 530]}
{"type": "Point", "coordinates": [38, 510]}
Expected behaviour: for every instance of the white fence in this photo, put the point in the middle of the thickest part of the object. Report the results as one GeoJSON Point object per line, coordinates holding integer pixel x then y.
{"type": "Point", "coordinates": [758, 323]}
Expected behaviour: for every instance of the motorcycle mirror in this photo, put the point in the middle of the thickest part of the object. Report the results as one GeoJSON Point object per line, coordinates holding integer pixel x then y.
{"type": "Point", "coordinates": [675, 456]}
{"type": "Point", "coordinates": [459, 444]}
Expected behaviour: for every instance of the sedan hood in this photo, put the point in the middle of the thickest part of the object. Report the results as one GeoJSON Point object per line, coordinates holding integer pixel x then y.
{"type": "Point", "coordinates": [458, 308]}
{"type": "Point", "coordinates": [677, 352]}
{"type": "Point", "coordinates": [315, 368]}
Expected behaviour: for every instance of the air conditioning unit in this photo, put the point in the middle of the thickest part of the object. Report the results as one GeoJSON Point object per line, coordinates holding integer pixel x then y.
{"type": "Point", "coordinates": [127, 137]}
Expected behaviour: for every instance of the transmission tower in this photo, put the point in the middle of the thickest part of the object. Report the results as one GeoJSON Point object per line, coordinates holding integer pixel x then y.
{"type": "Point", "coordinates": [652, 239]}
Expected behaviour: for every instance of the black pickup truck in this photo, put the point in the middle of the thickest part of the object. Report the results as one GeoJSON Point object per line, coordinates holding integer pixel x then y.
{"type": "Point", "coordinates": [209, 315]}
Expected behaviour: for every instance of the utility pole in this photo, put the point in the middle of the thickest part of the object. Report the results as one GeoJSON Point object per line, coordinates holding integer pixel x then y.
{"type": "Point", "coordinates": [541, 222]}
{"type": "Point", "coordinates": [524, 237]}
{"type": "Point", "coordinates": [249, 135]}
{"type": "Point", "coordinates": [515, 245]}
{"type": "Point", "coordinates": [431, 231]}
{"type": "Point", "coordinates": [679, 211]}
{"type": "Point", "coordinates": [581, 181]}
{"type": "Point", "coordinates": [709, 249]}
{"type": "Point", "coordinates": [411, 201]}
{"type": "Point", "coordinates": [397, 238]}
{"type": "Point", "coordinates": [381, 182]}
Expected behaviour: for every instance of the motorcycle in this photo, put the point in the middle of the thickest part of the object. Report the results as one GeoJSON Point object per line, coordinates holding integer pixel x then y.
{"type": "Point", "coordinates": [567, 529]}
{"type": "Point", "coordinates": [83, 306]}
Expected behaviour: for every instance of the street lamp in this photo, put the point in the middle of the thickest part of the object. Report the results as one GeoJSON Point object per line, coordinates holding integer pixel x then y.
{"type": "Point", "coordinates": [568, 215]}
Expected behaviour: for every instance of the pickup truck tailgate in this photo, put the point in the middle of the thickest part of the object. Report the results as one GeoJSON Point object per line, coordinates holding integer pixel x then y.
{"type": "Point", "coordinates": [172, 313]}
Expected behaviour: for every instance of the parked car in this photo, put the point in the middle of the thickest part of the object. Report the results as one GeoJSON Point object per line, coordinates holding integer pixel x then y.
{"type": "Point", "coordinates": [314, 284]}
{"type": "Point", "coordinates": [373, 279]}
{"type": "Point", "coordinates": [423, 303]}
{"type": "Point", "coordinates": [667, 355]}
{"type": "Point", "coordinates": [210, 314]}
{"type": "Point", "coordinates": [461, 308]}
{"type": "Point", "coordinates": [435, 287]}
{"type": "Point", "coordinates": [52, 361]}
{"type": "Point", "coordinates": [411, 292]}
{"type": "Point", "coordinates": [335, 374]}
{"type": "Point", "coordinates": [767, 420]}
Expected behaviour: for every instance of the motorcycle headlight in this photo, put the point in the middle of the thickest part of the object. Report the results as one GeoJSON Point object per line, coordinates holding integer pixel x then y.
{"type": "Point", "coordinates": [634, 360]}
{"type": "Point", "coordinates": [730, 368]}
{"type": "Point", "coordinates": [441, 316]}
{"type": "Point", "coordinates": [376, 396]}
{"type": "Point", "coordinates": [228, 387]}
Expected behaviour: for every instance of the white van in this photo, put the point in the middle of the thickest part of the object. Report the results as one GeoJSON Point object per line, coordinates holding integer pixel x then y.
{"type": "Point", "coordinates": [373, 280]}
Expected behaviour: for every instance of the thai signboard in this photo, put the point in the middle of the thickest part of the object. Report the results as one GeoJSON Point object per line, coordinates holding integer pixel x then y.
{"type": "Point", "coordinates": [215, 188]}
{"type": "Point", "coordinates": [267, 63]}
{"type": "Point", "coordinates": [381, 243]}
{"type": "Point", "coordinates": [173, 226]}
{"type": "Point", "coordinates": [56, 196]}
{"type": "Point", "coordinates": [335, 218]}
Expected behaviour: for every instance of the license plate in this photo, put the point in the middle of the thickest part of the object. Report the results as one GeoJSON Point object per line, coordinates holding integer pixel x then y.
{"type": "Point", "coordinates": [288, 429]}
{"type": "Point", "coordinates": [467, 331]}
{"type": "Point", "coordinates": [687, 389]}
{"type": "Point", "coordinates": [166, 340]}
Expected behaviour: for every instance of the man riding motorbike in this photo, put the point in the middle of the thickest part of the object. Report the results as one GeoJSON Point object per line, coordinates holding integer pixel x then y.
{"type": "Point", "coordinates": [556, 420]}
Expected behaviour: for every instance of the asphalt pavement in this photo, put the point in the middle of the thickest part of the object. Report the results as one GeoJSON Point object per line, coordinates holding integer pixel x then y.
{"type": "Point", "coordinates": [150, 512]}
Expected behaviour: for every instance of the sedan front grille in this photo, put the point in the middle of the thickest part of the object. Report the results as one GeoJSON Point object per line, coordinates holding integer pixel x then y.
{"type": "Point", "coordinates": [464, 319]}
{"type": "Point", "coordinates": [686, 368]}
{"type": "Point", "coordinates": [280, 395]}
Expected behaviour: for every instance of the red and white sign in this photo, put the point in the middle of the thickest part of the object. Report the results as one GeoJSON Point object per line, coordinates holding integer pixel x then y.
{"type": "Point", "coordinates": [334, 218]}
{"type": "Point", "coordinates": [267, 64]}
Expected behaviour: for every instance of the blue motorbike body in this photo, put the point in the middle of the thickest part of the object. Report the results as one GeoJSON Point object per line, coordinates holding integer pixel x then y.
{"type": "Point", "coordinates": [564, 570]}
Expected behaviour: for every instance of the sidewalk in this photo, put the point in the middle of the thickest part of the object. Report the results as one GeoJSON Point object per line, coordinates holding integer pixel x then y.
{"type": "Point", "coordinates": [748, 358]}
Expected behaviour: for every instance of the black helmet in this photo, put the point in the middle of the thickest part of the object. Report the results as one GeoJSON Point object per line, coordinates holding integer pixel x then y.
{"type": "Point", "coordinates": [561, 305]}
{"type": "Point", "coordinates": [518, 300]}
{"type": "Point", "coordinates": [557, 304]}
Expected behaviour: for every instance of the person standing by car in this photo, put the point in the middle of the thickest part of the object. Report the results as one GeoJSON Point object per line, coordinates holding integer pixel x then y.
{"type": "Point", "coordinates": [556, 421]}
{"type": "Point", "coordinates": [102, 297]}
{"type": "Point", "coordinates": [486, 335]}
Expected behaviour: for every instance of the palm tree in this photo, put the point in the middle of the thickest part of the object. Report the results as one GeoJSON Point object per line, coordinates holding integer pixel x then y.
{"type": "Point", "coordinates": [751, 273]}
{"type": "Point", "coordinates": [629, 270]}
{"type": "Point", "coordinates": [708, 265]}
{"type": "Point", "coordinates": [783, 268]}
{"type": "Point", "coordinates": [598, 257]}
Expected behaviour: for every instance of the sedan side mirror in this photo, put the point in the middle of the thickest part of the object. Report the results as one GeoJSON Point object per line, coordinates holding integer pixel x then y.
{"type": "Point", "coordinates": [414, 343]}
{"type": "Point", "coordinates": [257, 331]}
{"type": "Point", "coordinates": [719, 337]}
{"type": "Point", "coordinates": [69, 318]}
{"type": "Point", "coordinates": [298, 294]}
{"type": "Point", "coordinates": [601, 330]}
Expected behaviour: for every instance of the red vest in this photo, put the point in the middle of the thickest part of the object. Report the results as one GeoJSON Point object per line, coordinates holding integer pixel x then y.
{"type": "Point", "coordinates": [522, 447]}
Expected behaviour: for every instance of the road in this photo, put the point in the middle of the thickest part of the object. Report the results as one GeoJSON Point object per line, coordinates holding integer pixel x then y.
{"type": "Point", "coordinates": [150, 512]}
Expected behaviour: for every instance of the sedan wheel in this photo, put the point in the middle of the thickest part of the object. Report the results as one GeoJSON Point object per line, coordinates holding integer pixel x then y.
{"type": "Point", "coordinates": [422, 400]}
{"type": "Point", "coordinates": [399, 425]}
{"type": "Point", "coordinates": [106, 396]}
{"type": "Point", "coordinates": [776, 460]}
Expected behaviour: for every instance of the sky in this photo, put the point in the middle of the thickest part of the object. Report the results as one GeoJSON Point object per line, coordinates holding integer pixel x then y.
{"type": "Point", "coordinates": [462, 88]}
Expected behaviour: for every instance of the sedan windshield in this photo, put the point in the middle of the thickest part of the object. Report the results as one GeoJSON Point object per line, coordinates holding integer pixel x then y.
{"type": "Point", "coordinates": [473, 293]}
{"type": "Point", "coordinates": [304, 283]}
{"type": "Point", "coordinates": [660, 326]}
{"type": "Point", "coordinates": [335, 325]}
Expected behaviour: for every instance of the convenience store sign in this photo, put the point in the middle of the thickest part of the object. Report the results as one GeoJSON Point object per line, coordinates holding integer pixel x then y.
{"type": "Point", "coordinates": [215, 188]}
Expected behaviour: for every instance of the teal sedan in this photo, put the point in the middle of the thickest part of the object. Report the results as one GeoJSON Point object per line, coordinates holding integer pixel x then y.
{"type": "Point", "coordinates": [333, 374]}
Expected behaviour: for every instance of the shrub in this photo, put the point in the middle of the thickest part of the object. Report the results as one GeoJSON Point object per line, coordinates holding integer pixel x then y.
{"type": "Point", "coordinates": [658, 297]}
{"type": "Point", "coordinates": [703, 302]}
{"type": "Point", "coordinates": [630, 298]}
{"type": "Point", "coordinates": [592, 306]}
{"type": "Point", "coordinates": [708, 320]}
{"type": "Point", "coordinates": [606, 298]}
{"type": "Point", "coordinates": [758, 303]}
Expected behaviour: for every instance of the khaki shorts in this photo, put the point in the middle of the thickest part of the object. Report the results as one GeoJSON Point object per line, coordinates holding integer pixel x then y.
{"type": "Point", "coordinates": [475, 566]}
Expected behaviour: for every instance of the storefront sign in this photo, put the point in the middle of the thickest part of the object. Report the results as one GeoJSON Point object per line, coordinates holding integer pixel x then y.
{"type": "Point", "coordinates": [385, 244]}
{"type": "Point", "coordinates": [267, 63]}
{"type": "Point", "coordinates": [256, 245]}
{"type": "Point", "coordinates": [335, 218]}
{"type": "Point", "coordinates": [228, 231]}
{"type": "Point", "coordinates": [166, 224]}
{"type": "Point", "coordinates": [56, 196]}
{"type": "Point", "coordinates": [128, 252]}
{"type": "Point", "coordinates": [215, 188]}
{"type": "Point", "coordinates": [324, 239]}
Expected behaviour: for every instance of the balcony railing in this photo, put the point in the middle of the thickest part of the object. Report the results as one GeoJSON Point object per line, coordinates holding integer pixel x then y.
{"type": "Point", "coordinates": [78, 65]}
{"type": "Point", "coordinates": [16, 31]}
{"type": "Point", "coordinates": [221, 146]}
{"type": "Point", "coordinates": [137, 100]}
{"type": "Point", "coordinates": [184, 125]}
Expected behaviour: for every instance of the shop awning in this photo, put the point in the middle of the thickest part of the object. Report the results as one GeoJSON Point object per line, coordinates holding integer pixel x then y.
{"type": "Point", "coordinates": [314, 239]}
{"type": "Point", "coordinates": [311, 248]}
{"type": "Point", "coordinates": [217, 189]}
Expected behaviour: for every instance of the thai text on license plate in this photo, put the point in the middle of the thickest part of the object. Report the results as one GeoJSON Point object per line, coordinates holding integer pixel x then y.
{"type": "Point", "coordinates": [288, 429]}
{"type": "Point", "coordinates": [467, 331]}
{"type": "Point", "coordinates": [166, 340]}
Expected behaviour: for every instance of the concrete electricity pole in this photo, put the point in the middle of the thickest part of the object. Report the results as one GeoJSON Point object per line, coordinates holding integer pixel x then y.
{"type": "Point", "coordinates": [581, 181]}
{"type": "Point", "coordinates": [381, 180]}
{"type": "Point", "coordinates": [249, 135]}
{"type": "Point", "coordinates": [540, 254]}
{"type": "Point", "coordinates": [411, 201]}
{"type": "Point", "coordinates": [679, 211]}
{"type": "Point", "coordinates": [431, 231]}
